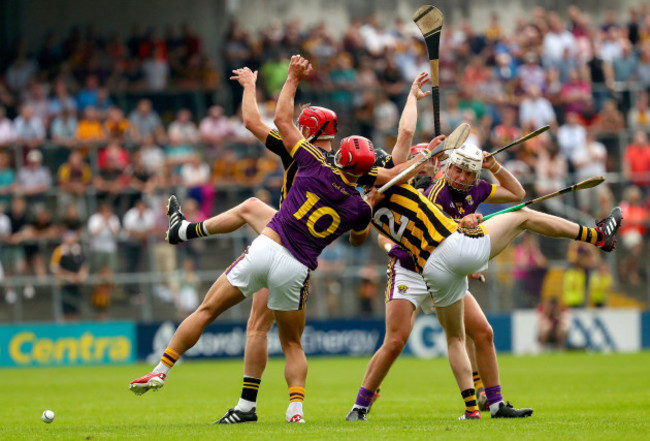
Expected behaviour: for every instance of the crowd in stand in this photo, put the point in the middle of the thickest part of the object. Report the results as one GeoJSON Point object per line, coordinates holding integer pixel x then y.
{"type": "Point", "coordinates": [72, 159]}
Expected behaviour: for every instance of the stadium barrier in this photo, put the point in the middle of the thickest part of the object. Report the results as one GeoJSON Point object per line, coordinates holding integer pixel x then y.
{"type": "Point", "coordinates": [597, 330]}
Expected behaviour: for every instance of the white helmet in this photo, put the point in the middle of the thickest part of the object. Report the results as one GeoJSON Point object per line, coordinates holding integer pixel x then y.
{"type": "Point", "coordinates": [468, 157]}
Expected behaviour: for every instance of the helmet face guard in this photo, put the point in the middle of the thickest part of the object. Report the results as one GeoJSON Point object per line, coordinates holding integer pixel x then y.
{"type": "Point", "coordinates": [467, 157]}
{"type": "Point", "coordinates": [322, 123]}
{"type": "Point", "coordinates": [356, 156]}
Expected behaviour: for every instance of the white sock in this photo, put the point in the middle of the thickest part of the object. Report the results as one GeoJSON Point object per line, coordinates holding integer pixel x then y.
{"type": "Point", "coordinates": [295, 408]}
{"type": "Point", "coordinates": [245, 405]}
{"type": "Point", "coordinates": [494, 407]}
{"type": "Point", "coordinates": [356, 406]}
{"type": "Point", "coordinates": [182, 231]}
{"type": "Point", "coordinates": [161, 368]}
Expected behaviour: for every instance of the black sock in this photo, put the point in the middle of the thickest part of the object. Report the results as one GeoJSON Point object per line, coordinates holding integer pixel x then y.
{"type": "Point", "coordinates": [250, 388]}
{"type": "Point", "coordinates": [195, 230]}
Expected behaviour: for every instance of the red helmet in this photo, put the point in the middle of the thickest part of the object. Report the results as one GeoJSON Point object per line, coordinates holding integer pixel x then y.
{"type": "Point", "coordinates": [356, 155]}
{"type": "Point", "coordinates": [417, 148]}
{"type": "Point", "coordinates": [314, 117]}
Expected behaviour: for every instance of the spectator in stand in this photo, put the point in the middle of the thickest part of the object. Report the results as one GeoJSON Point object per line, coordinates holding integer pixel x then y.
{"type": "Point", "coordinates": [156, 69]}
{"type": "Point", "coordinates": [508, 130]}
{"type": "Point", "coordinates": [600, 285]}
{"type": "Point", "coordinates": [182, 129]}
{"type": "Point", "coordinates": [33, 180]}
{"type": "Point", "coordinates": [90, 131]}
{"type": "Point", "coordinates": [89, 94]}
{"type": "Point", "coordinates": [141, 182]}
{"type": "Point", "coordinates": [529, 271]}
{"type": "Point", "coordinates": [610, 120]}
{"type": "Point", "coordinates": [589, 160]}
{"type": "Point", "coordinates": [36, 235]}
{"type": "Point", "coordinates": [60, 100]}
{"type": "Point", "coordinates": [558, 43]}
{"type": "Point", "coordinates": [111, 181]}
{"type": "Point", "coordinates": [195, 177]}
{"type": "Point", "coordinates": [375, 38]}
{"type": "Point", "coordinates": [575, 94]}
{"type": "Point", "coordinates": [104, 103]}
{"type": "Point", "coordinates": [571, 136]}
{"type": "Point", "coordinates": [553, 323]}
{"type": "Point", "coordinates": [602, 77]}
{"type": "Point", "coordinates": [153, 157]}
{"type": "Point", "coordinates": [139, 223]}
{"type": "Point", "coordinates": [385, 118]}
{"type": "Point", "coordinates": [145, 121]}
{"type": "Point", "coordinates": [574, 283]}
{"type": "Point", "coordinates": [536, 109]}
{"type": "Point", "coordinates": [14, 262]}
{"type": "Point", "coordinates": [625, 69]}
{"type": "Point", "coordinates": [64, 128]}
{"type": "Point", "coordinates": [37, 100]}
{"type": "Point", "coordinates": [611, 46]}
{"type": "Point", "coordinates": [68, 264]}
{"type": "Point", "coordinates": [104, 229]}
{"type": "Point", "coordinates": [636, 161]}
{"type": "Point", "coordinates": [7, 178]}
{"type": "Point", "coordinates": [638, 117]}
{"type": "Point", "coordinates": [550, 174]}
{"type": "Point", "coordinates": [71, 220]}
{"type": "Point", "coordinates": [7, 134]}
{"type": "Point", "coordinates": [75, 176]}
{"type": "Point", "coordinates": [214, 129]}
{"type": "Point", "coordinates": [21, 69]}
{"type": "Point", "coordinates": [28, 128]}
{"type": "Point", "coordinates": [451, 115]}
{"type": "Point", "coordinates": [632, 233]}
{"type": "Point", "coordinates": [116, 126]}
{"type": "Point", "coordinates": [531, 73]}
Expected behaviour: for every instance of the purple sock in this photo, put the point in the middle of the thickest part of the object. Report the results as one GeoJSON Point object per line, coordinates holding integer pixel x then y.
{"type": "Point", "coordinates": [493, 394]}
{"type": "Point", "coordinates": [364, 397]}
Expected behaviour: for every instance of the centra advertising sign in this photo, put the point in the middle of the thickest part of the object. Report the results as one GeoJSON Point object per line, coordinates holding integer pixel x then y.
{"type": "Point", "coordinates": [67, 344]}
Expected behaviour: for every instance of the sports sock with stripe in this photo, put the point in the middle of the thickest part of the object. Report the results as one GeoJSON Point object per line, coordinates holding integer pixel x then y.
{"type": "Point", "coordinates": [250, 388]}
{"type": "Point", "coordinates": [167, 361]}
{"type": "Point", "coordinates": [590, 235]}
{"type": "Point", "coordinates": [469, 396]}
{"type": "Point", "coordinates": [192, 230]}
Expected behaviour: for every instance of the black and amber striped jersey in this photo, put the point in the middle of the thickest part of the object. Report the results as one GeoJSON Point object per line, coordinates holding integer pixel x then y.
{"type": "Point", "coordinates": [414, 222]}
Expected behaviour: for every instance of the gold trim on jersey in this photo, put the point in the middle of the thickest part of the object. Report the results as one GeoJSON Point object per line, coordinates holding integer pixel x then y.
{"type": "Point", "coordinates": [437, 186]}
{"type": "Point", "coordinates": [274, 133]}
{"type": "Point", "coordinates": [492, 191]}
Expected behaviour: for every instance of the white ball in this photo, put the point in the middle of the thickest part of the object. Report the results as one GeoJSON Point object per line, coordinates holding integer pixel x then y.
{"type": "Point", "coordinates": [47, 416]}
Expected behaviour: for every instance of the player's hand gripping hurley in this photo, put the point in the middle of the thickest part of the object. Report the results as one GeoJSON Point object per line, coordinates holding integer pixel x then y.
{"type": "Point", "coordinates": [588, 183]}
{"type": "Point", "coordinates": [453, 141]}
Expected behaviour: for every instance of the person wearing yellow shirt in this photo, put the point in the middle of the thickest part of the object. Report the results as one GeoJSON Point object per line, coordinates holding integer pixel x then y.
{"type": "Point", "coordinates": [600, 284]}
{"type": "Point", "coordinates": [575, 284]}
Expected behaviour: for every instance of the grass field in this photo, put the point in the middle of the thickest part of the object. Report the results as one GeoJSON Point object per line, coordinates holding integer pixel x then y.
{"type": "Point", "coordinates": [576, 396]}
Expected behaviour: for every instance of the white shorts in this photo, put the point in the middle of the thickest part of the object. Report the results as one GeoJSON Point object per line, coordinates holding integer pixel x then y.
{"type": "Point", "coordinates": [407, 285]}
{"type": "Point", "coordinates": [267, 264]}
{"type": "Point", "coordinates": [448, 266]}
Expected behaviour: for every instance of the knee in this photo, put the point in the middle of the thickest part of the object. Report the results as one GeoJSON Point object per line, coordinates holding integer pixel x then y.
{"type": "Point", "coordinates": [483, 333]}
{"type": "Point", "coordinates": [395, 344]}
{"type": "Point", "coordinates": [249, 205]}
{"type": "Point", "coordinates": [259, 326]}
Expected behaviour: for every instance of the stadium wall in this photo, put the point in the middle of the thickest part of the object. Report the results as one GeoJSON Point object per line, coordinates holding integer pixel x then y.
{"type": "Point", "coordinates": [602, 330]}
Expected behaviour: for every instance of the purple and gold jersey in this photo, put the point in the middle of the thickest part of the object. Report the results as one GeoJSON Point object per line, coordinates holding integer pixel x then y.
{"type": "Point", "coordinates": [414, 222]}
{"type": "Point", "coordinates": [321, 206]}
{"type": "Point", "coordinates": [439, 194]}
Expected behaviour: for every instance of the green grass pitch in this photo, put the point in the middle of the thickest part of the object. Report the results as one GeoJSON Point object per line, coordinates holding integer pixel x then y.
{"type": "Point", "coordinates": [576, 396]}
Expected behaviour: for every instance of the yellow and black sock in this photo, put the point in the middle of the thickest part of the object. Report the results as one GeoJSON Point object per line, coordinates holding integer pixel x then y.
{"type": "Point", "coordinates": [296, 393]}
{"type": "Point", "coordinates": [250, 388]}
{"type": "Point", "coordinates": [590, 235]}
{"type": "Point", "coordinates": [195, 230]}
{"type": "Point", "coordinates": [169, 357]}
{"type": "Point", "coordinates": [469, 396]}
{"type": "Point", "coordinates": [478, 383]}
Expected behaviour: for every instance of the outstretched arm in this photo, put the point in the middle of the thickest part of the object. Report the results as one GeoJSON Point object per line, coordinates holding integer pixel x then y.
{"type": "Point", "coordinates": [250, 111]}
{"type": "Point", "coordinates": [299, 68]}
{"type": "Point", "coordinates": [408, 120]}
{"type": "Point", "coordinates": [384, 175]}
{"type": "Point", "coordinates": [509, 188]}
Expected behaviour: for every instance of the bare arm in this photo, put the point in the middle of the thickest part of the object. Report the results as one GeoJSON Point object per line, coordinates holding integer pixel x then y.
{"type": "Point", "coordinates": [250, 110]}
{"type": "Point", "coordinates": [409, 119]}
{"type": "Point", "coordinates": [299, 68]}
{"type": "Point", "coordinates": [509, 188]}
{"type": "Point", "coordinates": [384, 175]}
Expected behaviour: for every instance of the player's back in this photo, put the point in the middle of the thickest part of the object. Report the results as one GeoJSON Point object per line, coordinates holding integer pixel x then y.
{"type": "Point", "coordinates": [321, 206]}
{"type": "Point", "coordinates": [412, 221]}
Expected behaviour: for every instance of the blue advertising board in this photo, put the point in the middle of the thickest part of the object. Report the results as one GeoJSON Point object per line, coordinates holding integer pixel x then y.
{"type": "Point", "coordinates": [67, 344]}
